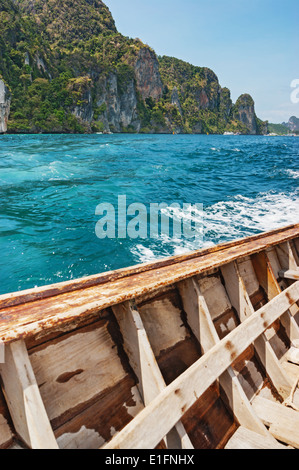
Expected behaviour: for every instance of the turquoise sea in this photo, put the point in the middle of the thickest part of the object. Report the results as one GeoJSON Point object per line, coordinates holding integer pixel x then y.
{"type": "Point", "coordinates": [50, 186]}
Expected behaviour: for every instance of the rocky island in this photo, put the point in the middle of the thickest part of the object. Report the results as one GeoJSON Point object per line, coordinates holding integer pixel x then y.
{"type": "Point", "coordinates": [64, 68]}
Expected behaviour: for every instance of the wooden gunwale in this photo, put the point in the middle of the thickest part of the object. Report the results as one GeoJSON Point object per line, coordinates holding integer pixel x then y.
{"type": "Point", "coordinates": [39, 293]}
{"type": "Point", "coordinates": [27, 313]}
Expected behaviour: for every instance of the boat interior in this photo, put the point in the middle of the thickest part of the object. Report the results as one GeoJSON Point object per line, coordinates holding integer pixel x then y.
{"type": "Point", "coordinates": [197, 351]}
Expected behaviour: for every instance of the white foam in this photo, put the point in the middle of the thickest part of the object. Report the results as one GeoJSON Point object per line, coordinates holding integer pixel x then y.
{"type": "Point", "coordinates": [242, 216]}
{"type": "Point", "coordinates": [143, 254]}
{"type": "Point", "coordinates": [227, 220]}
{"type": "Point", "coordinates": [293, 173]}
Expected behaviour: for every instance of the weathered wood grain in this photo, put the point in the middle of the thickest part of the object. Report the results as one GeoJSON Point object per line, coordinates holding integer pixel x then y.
{"type": "Point", "coordinates": [76, 368]}
{"type": "Point", "coordinates": [23, 398]}
{"type": "Point", "coordinates": [164, 411]}
{"type": "Point", "coordinates": [200, 320]}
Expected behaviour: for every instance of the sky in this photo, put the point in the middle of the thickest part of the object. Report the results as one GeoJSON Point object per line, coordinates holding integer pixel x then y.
{"type": "Point", "coordinates": [251, 45]}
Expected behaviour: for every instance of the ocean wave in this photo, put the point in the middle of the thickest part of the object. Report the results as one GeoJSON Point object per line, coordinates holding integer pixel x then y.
{"type": "Point", "coordinates": [293, 173]}
{"type": "Point", "coordinates": [242, 216]}
{"type": "Point", "coordinates": [235, 218]}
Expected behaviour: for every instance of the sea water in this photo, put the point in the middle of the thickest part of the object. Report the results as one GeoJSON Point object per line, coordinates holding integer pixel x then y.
{"type": "Point", "coordinates": [51, 185]}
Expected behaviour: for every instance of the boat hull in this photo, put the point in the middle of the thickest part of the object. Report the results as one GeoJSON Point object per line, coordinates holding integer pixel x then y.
{"type": "Point", "coordinates": [198, 351]}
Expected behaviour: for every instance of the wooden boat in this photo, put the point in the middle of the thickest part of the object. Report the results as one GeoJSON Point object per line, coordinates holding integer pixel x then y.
{"type": "Point", "coordinates": [196, 351]}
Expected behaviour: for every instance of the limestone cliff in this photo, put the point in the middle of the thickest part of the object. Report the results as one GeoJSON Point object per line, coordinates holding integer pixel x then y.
{"type": "Point", "coordinates": [147, 74]}
{"type": "Point", "coordinates": [117, 103]}
{"type": "Point", "coordinates": [70, 70]}
{"type": "Point", "coordinates": [245, 113]}
{"type": "Point", "coordinates": [5, 99]}
{"type": "Point", "coordinates": [292, 124]}
{"type": "Point", "coordinates": [226, 104]}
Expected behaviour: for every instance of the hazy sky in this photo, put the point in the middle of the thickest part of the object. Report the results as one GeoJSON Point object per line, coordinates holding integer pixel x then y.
{"type": "Point", "coordinates": [251, 45]}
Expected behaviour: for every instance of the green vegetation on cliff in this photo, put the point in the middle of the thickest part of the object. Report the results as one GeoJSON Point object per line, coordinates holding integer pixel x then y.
{"type": "Point", "coordinates": [70, 70]}
{"type": "Point", "coordinates": [279, 129]}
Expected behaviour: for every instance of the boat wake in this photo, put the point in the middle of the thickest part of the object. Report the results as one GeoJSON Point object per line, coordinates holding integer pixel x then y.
{"type": "Point", "coordinates": [224, 221]}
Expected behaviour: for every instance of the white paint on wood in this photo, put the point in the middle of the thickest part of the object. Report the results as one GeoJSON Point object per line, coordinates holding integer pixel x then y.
{"type": "Point", "coordinates": [215, 296]}
{"type": "Point", "coordinates": [294, 252]}
{"type": "Point", "coordinates": [244, 439]}
{"type": "Point", "coordinates": [163, 324]}
{"type": "Point", "coordinates": [291, 369]}
{"type": "Point", "coordinates": [283, 422]}
{"type": "Point", "coordinates": [290, 324]}
{"type": "Point", "coordinates": [82, 439]}
{"type": "Point", "coordinates": [198, 313]}
{"type": "Point", "coordinates": [144, 364]}
{"type": "Point", "coordinates": [290, 274]}
{"type": "Point", "coordinates": [236, 290]}
{"type": "Point", "coordinates": [228, 325]}
{"type": "Point", "coordinates": [295, 243]}
{"type": "Point", "coordinates": [293, 355]}
{"type": "Point", "coordinates": [134, 410]}
{"type": "Point", "coordinates": [248, 275]}
{"type": "Point", "coordinates": [139, 351]}
{"type": "Point", "coordinates": [24, 400]}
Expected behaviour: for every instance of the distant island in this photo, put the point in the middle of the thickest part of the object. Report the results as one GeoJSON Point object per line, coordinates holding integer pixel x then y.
{"type": "Point", "coordinates": [285, 128]}
{"type": "Point", "coordinates": [64, 68]}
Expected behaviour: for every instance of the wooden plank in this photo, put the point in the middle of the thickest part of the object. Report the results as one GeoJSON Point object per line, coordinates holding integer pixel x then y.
{"type": "Point", "coordinates": [215, 296]}
{"type": "Point", "coordinates": [241, 302]}
{"type": "Point", "coordinates": [286, 256]}
{"type": "Point", "coordinates": [278, 272]}
{"type": "Point", "coordinates": [174, 348]}
{"type": "Point", "coordinates": [163, 323]}
{"type": "Point", "coordinates": [25, 314]}
{"type": "Point", "coordinates": [293, 355]}
{"type": "Point", "coordinates": [209, 422]}
{"type": "Point", "coordinates": [200, 321]}
{"type": "Point", "coordinates": [265, 275]}
{"type": "Point", "coordinates": [269, 283]}
{"type": "Point", "coordinates": [243, 438]}
{"type": "Point", "coordinates": [198, 315]}
{"type": "Point", "coordinates": [23, 398]}
{"type": "Point", "coordinates": [167, 409]}
{"type": "Point", "coordinates": [144, 364]}
{"type": "Point", "coordinates": [86, 383]}
{"type": "Point", "coordinates": [248, 275]}
{"type": "Point", "coordinates": [236, 290]}
{"type": "Point", "coordinates": [290, 274]}
{"type": "Point", "coordinates": [283, 422]}
{"type": "Point", "coordinates": [75, 369]}
{"type": "Point", "coordinates": [90, 427]}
